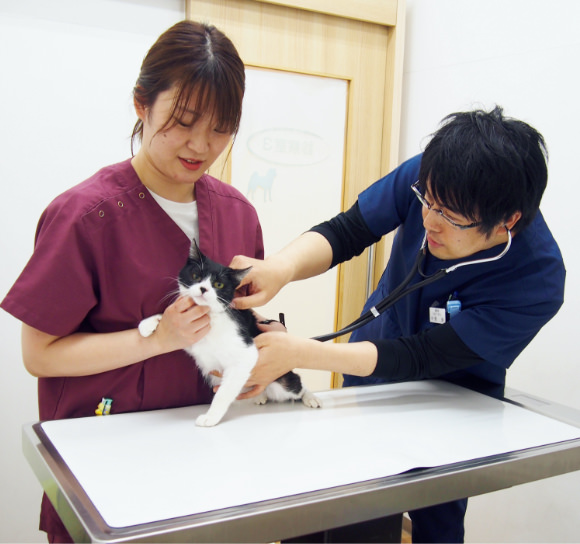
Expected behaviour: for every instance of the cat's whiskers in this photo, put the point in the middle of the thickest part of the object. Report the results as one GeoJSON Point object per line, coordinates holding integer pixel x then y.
{"type": "Point", "coordinates": [172, 296]}
{"type": "Point", "coordinates": [224, 304]}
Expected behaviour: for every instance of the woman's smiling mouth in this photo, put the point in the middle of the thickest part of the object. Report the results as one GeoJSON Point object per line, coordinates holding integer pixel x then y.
{"type": "Point", "coordinates": [191, 164]}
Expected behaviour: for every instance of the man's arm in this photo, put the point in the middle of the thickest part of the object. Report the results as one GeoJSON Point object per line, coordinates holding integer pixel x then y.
{"type": "Point", "coordinates": [309, 255]}
{"type": "Point", "coordinates": [429, 354]}
{"type": "Point", "coordinates": [313, 253]}
{"type": "Point", "coordinates": [280, 352]}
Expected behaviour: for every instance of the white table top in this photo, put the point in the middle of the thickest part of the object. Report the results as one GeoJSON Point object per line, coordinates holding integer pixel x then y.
{"type": "Point", "coordinates": [149, 466]}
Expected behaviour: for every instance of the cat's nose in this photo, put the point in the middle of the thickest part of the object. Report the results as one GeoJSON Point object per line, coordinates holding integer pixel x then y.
{"type": "Point", "coordinates": [203, 290]}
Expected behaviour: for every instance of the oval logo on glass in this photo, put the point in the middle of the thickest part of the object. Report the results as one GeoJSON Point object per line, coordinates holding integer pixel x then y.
{"type": "Point", "coordinates": [289, 147]}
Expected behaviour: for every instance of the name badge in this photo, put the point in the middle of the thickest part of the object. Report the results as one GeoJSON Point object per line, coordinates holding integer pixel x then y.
{"type": "Point", "coordinates": [437, 315]}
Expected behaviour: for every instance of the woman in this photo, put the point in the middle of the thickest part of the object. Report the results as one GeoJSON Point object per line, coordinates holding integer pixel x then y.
{"type": "Point", "coordinates": [108, 250]}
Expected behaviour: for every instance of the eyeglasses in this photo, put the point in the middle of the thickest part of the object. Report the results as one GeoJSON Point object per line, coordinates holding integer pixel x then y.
{"type": "Point", "coordinates": [429, 206]}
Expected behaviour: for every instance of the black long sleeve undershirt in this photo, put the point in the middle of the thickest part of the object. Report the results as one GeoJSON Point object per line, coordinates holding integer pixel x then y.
{"type": "Point", "coordinates": [429, 354]}
{"type": "Point", "coordinates": [348, 235]}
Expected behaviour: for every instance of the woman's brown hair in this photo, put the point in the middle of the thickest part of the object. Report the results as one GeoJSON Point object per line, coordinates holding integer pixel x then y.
{"type": "Point", "coordinates": [198, 60]}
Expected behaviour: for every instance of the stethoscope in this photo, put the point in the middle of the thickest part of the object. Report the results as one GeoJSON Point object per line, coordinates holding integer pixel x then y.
{"type": "Point", "coordinates": [402, 290]}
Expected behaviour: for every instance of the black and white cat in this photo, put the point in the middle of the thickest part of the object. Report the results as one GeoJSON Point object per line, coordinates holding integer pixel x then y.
{"type": "Point", "coordinates": [228, 347]}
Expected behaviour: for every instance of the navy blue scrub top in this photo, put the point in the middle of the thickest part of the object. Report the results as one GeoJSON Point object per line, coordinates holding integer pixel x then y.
{"type": "Point", "coordinates": [504, 303]}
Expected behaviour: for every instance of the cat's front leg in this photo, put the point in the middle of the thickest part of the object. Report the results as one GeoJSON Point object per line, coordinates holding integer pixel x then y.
{"type": "Point", "coordinates": [233, 381]}
{"type": "Point", "coordinates": [148, 326]}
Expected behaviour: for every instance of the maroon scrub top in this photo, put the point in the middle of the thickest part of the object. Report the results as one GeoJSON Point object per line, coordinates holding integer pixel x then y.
{"type": "Point", "coordinates": [106, 256]}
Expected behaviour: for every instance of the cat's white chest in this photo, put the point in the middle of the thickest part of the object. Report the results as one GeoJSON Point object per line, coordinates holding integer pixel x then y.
{"type": "Point", "coordinates": [223, 346]}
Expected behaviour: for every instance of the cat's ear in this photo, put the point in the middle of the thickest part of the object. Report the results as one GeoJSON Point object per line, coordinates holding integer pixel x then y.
{"type": "Point", "coordinates": [240, 274]}
{"type": "Point", "coordinates": [194, 251]}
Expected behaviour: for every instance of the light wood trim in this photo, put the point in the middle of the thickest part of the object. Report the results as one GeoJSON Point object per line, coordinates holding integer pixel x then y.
{"type": "Point", "coordinates": [393, 91]}
{"type": "Point", "coordinates": [382, 12]}
{"type": "Point", "coordinates": [393, 106]}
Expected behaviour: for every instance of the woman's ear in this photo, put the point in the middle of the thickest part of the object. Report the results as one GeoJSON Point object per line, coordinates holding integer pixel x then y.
{"type": "Point", "coordinates": [140, 109]}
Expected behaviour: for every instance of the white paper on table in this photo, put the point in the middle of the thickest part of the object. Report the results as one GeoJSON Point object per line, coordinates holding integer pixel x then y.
{"type": "Point", "coordinates": [150, 466]}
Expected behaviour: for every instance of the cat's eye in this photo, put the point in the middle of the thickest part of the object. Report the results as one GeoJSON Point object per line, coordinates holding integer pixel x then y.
{"type": "Point", "coordinates": [195, 277]}
{"type": "Point", "coordinates": [218, 284]}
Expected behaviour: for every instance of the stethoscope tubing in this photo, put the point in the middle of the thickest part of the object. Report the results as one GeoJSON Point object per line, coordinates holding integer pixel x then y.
{"type": "Point", "coordinates": [402, 290]}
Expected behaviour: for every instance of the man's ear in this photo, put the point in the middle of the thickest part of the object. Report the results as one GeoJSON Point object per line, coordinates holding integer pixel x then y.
{"type": "Point", "coordinates": [511, 222]}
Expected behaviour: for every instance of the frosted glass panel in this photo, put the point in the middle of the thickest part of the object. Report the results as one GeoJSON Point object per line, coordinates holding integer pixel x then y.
{"type": "Point", "coordinates": [288, 160]}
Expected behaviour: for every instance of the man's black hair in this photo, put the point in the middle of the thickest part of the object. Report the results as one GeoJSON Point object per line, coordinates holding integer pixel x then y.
{"type": "Point", "coordinates": [485, 167]}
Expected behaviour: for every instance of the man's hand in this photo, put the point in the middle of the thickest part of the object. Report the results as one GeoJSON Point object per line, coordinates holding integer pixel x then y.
{"type": "Point", "coordinates": [309, 255]}
{"type": "Point", "coordinates": [279, 353]}
{"type": "Point", "coordinates": [263, 281]}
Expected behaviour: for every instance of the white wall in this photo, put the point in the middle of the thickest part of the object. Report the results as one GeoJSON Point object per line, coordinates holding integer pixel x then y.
{"type": "Point", "coordinates": [67, 69]}
{"type": "Point", "coordinates": [525, 56]}
{"type": "Point", "coordinates": [66, 73]}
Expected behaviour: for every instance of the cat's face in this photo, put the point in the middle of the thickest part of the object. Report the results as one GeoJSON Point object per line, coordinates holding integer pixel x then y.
{"type": "Point", "coordinates": [208, 283]}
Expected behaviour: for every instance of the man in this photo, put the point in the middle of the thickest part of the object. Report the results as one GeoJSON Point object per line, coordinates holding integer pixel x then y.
{"type": "Point", "coordinates": [473, 195]}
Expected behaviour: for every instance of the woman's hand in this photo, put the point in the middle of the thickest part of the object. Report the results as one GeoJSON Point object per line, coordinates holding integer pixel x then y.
{"type": "Point", "coordinates": [183, 323]}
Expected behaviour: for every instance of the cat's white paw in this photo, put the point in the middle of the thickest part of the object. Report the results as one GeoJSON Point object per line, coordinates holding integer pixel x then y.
{"type": "Point", "coordinates": [147, 326]}
{"type": "Point", "coordinates": [261, 399]}
{"type": "Point", "coordinates": [206, 420]}
{"type": "Point", "coordinates": [311, 400]}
